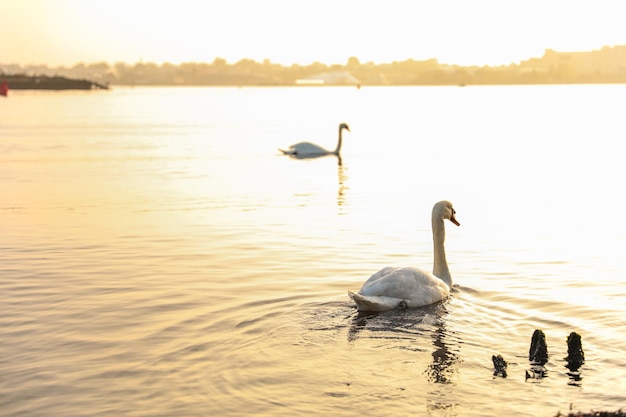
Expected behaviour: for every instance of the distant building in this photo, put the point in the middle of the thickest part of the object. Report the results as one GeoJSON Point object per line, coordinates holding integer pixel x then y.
{"type": "Point", "coordinates": [330, 78]}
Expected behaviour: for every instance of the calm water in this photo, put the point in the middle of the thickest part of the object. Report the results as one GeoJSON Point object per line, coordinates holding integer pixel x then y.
{"type": "Point", "coordinates": [158, 257]}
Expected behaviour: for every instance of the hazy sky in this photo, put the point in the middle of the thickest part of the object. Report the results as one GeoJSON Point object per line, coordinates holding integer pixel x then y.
{"type": "Point", "coordinates": [466, 32]}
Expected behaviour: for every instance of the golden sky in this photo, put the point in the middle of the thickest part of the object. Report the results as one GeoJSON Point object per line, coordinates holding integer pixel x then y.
{"type": "Point", "coordinates": [476, 32]}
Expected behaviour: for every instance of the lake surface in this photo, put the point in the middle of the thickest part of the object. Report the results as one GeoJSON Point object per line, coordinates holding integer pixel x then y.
{"type": "Point", "coordinates": [160, 257]}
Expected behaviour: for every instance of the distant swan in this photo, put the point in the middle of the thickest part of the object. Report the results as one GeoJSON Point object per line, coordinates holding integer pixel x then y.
{"type": "Point", "coordinates": [393, 287]}
{"type": "Point", "coordinates": [311, 150]}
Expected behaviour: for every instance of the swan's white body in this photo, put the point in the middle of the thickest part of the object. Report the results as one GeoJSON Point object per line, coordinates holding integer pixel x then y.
{"type": "Point", "coordinates": [311, 150]}
{"type": "Point", "coordinates": [392, 287]}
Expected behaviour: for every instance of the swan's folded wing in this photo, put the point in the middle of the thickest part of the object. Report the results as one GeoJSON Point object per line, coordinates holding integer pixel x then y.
{"type": "Point", "coordinates": [379, 275]}
{"type": "Point", "coordinates": [398, 282]}
{"type": "Point", "coordinates": [414, 286]}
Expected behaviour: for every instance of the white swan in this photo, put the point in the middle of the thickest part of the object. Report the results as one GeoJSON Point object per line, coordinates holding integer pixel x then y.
{"type": "Point", "coordinates": [311, 150]}
{"type": "Point", "coordinates": [393, 287]}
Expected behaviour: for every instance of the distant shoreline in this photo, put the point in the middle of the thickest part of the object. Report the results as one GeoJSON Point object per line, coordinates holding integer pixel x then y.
{"type": "Point", "coordinates": [603, 66]}
{"type": "Point", "coordinates": [21, 82]}
{"type": "Point", "coordinates": [57, 83]}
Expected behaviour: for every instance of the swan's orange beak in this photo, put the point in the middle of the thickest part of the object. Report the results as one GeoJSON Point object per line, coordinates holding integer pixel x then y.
{"type": "Point", "coordinates": [453, 220]}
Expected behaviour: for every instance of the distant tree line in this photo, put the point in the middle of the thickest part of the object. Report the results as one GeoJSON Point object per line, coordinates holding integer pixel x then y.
{"type": "Point", "coordinates": [607, 65]}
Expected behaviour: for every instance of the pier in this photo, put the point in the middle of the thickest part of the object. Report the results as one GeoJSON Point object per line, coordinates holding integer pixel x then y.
{"type": "Point", "coordinates": [44, 82]}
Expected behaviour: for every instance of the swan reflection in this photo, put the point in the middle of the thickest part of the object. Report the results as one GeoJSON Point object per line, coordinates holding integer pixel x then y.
{"type": "Point", "coordinates": [443, 367]}
{"type": "Point", "coordinates": [415, 326]}
{"type": "Point", "coordinates": [341, 180]}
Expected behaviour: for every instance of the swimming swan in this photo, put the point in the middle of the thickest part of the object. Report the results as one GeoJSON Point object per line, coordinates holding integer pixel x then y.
{"type": "Point", "coordinates": [393, 287]}
{"type": "Point", "coordinates": [311, 150]}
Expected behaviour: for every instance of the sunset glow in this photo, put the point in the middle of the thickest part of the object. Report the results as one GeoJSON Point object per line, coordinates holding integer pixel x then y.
{"type": "Point", "coordinates": [484, 32]}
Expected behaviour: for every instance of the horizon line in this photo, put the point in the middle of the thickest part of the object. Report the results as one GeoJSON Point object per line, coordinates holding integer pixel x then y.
{"type": "Point", "coordinates": [142, 61]}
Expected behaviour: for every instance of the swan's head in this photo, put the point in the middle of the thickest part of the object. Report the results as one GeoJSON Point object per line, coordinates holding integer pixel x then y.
{"type": "Point", "coordinates": [344, 126]}
{"type": "Point", "coordinates": [444, 210]}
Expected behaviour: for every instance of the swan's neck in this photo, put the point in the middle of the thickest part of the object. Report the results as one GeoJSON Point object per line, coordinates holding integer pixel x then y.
{"type": "Point", "coordinates": [338, 148]}
{"type": "Point", "coordinates": [440, 265]}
